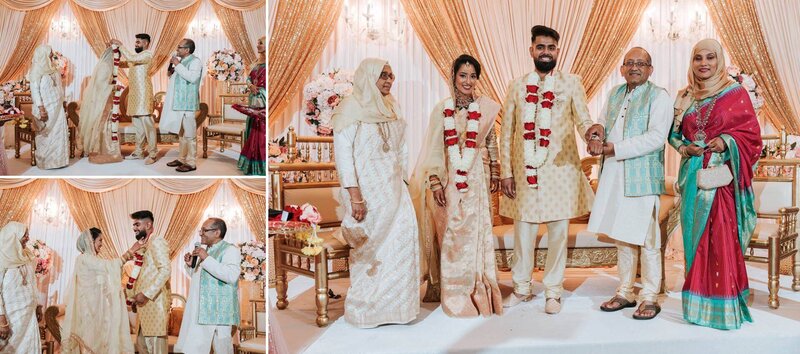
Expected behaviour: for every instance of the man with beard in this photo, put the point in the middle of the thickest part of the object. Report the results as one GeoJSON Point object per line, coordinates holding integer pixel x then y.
{"type": "Point", "coordinates": [140, 97]}
{"type": "Point", "coordinates": [540, 168]}
{"type": "Point", "coordinates": [151, 287]}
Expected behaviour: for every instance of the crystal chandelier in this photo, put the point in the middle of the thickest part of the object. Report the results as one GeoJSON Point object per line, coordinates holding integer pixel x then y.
{"type": "Point", "coordinates": [371, 27]}
{"type": "Point", "coordinates": [231, 213]}
{"type": "Point", "coordinates": [683, 26]}
{"type": "Point", "coordinates": [204, 28]}
{"type": "Point", "coordinates": [64, 28]}
{"type": "Point", "coordinates": [51, 211]}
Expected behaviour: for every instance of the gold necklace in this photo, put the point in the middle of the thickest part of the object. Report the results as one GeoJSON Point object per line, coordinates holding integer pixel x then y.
{"type": "Point", "coordinates": [702, 119]}
{"type": "Point", "coordinates": [385, 135]}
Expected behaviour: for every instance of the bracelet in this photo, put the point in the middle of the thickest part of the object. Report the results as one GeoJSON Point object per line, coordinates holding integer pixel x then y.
{"type": "Point", "coordinates": [362, 201]}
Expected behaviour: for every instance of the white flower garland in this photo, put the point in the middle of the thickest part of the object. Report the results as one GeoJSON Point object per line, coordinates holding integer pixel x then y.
{"type": "Point", "coordinates": [536, 142]}
{"type": "Point", "coordinates": [115, 110]}
{"type": "Point", "coordinates": [461, 159]}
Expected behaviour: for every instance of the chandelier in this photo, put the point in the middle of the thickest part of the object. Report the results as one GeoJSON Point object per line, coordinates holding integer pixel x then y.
{"type": "Point", "coordinates": [686, 25]}
{"type": "Point", "coordinates": [204, 27]}
{"type": "Point", "coordinates": [51, 211]}
{"type": "Point", "coordinates": [64, 28]}
{"type": "Point", "coordinates": [231, 213]}
{"type": "Point", "coordinates": [370, 26]}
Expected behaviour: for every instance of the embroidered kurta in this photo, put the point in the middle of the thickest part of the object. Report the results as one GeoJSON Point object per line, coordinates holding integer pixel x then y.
{"type": "Point", "coordinates": [18, 303]}
{"type": "Point", "coordinates": [140, 87]}
{"type": "Point", "coordinates": [197, 338]}
{"type": "Point", "coordinates": [188, 71]}
{"type": "Point", "coordinates": [627, 218]}
{"type": "Point", "coordinates": [563, 191]}
{"type": "Point", "coordinates": [52, 141]}
{"type": "Point", "coordinates": [153, 282]}
{"type": "Point", "coordinates": [384, 268]}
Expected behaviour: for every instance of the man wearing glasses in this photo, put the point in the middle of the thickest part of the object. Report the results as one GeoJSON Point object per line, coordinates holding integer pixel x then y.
{"type": "Point", "coordinates": [213, 304]}
{"type": "Point", "coordinates": [637, 118]}
{"type": "Point", "coordinates": [180, 104]}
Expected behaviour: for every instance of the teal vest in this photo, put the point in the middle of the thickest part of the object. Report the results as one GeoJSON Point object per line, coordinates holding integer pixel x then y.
{"type": "Point", "coordinates": [644, 175]}
{"type": "Point", "coordinates": [187, 94]}
{"type": "Point", "coordinates": [219, 301]}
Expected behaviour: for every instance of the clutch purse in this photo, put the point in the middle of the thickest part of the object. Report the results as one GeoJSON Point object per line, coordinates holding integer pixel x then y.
{"type": "Point", "coordinates": [714, 177]}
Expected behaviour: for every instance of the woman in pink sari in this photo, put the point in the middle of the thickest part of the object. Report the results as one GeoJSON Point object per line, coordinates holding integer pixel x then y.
{"type": "Point", "coordinates": [715, 126]}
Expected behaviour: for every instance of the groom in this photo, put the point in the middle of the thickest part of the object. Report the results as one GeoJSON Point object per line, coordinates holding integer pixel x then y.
{"type": "Point", "coordinates": [152, 297]}
{"type": "Point", "coordinates": [140, 97]}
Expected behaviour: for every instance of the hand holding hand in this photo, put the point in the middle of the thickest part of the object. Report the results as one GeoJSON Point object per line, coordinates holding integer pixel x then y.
{"type": "Point", "coordinates": [594, 147]}
{"type": "Point", "coordinates": [595, 129]}
{"type": "Point", "coordinates": [509, 187]}
{"type": "Point", "coordinates": [608, 149]}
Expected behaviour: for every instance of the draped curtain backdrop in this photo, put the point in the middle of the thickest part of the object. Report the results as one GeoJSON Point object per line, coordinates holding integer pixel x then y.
{"type": "Point", "coordinates": [17, 197]}
{"type": "Point", "coordinates": [34, 27]}
{"type": "Point", "coordinates": [301, 31]}
{"type": "Point", "coordinates": [738, 24]}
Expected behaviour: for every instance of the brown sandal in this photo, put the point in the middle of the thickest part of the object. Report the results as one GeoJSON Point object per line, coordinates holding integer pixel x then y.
{"type": "Point", "coordinates": [621, 304]}
{"type": "Point", "coordinates": [654, 307]}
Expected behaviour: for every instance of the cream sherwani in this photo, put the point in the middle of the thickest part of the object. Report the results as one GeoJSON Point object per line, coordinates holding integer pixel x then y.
{"type": "Point", "coordinates": [153, 282]}
{"type": "Point", "coordinates": [197, 338]}
{"type": "Point", "coordinates": [140, 99]}
{"type": "Point", "coordinates": [563, 192]}
{"type": "Point", "coordinates": [632, 220]}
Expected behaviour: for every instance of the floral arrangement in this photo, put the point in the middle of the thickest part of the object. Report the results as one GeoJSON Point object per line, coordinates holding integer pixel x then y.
{"type": "Point", "coordinates": [254, 259]}
{"type": "Point", "coordinates": [9, 88]}
{"type": "Point", "coordinates": [116, 113]}
{"type": "Point", "coordinates": [309, 214]}
{"type": "Point", "coordinates": [42, 254]}
{"type": "Point", "coordinates": [138, 261]}
{"type": "Point", "coordinates": [322, 95]}
{"type": "Point", "coordinates": [62, 64]}
{"type": "Point", "coordinates": [746, 80]}
{"type": "Point", "coordinates": [225, 65]}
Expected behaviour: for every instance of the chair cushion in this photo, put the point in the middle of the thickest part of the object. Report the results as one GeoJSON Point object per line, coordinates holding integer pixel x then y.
{"type": "Point", "coordinates": [326, 199]}
{"type": "Point", "coordinates": [226, 128]}
{"type": "Point", "coordinates": [255, 345]}
{"type": "Point", "coordinates": [764, 230]}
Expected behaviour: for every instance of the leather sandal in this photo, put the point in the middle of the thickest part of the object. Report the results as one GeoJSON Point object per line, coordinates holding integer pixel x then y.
{"type": "Point", "coordinates": [174, 163]}
{"type": "Point", "coordinates": [185, 168]}
{"type": "Point", "coordinates": [622, 303]}
{"type": "Point", "coordinates": [654, 307]}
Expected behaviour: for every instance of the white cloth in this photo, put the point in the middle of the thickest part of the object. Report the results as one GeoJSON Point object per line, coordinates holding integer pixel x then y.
{"type": "Point", "coordinates": [197, 338]}
{"type": "Point", "coordinates": [171, 120]}
{"type": "Point", "coordinates": [18, 304]}
{"type": "Point", "coordinates": [525, 234]}
{"type": "Point", "coordinates": [628, 218]}
{"type": "Point", "coordinates": [52, 141]}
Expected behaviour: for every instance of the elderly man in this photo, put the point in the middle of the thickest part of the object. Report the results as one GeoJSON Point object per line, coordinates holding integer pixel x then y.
{"type": "Point", "coordinates": [637, 118]}
{"type": "Point", "coordinates": [213, 304]}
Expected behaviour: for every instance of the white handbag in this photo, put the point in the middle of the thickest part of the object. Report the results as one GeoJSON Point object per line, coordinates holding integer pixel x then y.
{"type": "Point", "coordinates": [714, 177]}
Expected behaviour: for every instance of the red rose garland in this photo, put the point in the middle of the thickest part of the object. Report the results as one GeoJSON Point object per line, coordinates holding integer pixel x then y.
{"type": "Point", "coordinates": [138, 260]}
{"type": "Point", "coordinates": [536, 143]}
{"type": "Point", "coordinates": [115, 110]}
{"type": "Point", "coordinates": [461, 159]}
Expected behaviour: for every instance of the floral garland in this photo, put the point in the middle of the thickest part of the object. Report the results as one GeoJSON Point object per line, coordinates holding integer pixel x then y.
{"type": "Point", "coordinates": [138, 260]}
{"type": "Point", "coordinates": [536, 145]}
{"type": "Point", "coordinates": [459, 159]}
{"type": "Point", "coordinates": [115, 110]}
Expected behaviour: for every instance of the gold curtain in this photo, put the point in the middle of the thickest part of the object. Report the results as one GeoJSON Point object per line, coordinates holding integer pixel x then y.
{"type": "Point", "coordinates": [187, 214]}
{"type": "Point", "coordinates": [87, 210]}
{"type": "Point", "coordinates": [301, 30]}
{"type": "Point", "coordinates": [443, 29]}
{"type": "Point", "coordinates": [738, 24]}
{"type": "Point", "coordinates": [34, 29]}
{"type": "Point", "coordinates": [255, 210]}
{"type": "Point", "coordinates": [18, 202]}
{"type": "Point", "coordinates": [611, 27]}
{"type": "Point", "coordinates": [173, 32]}
{"type": "Point", "coordinates": [233, 24]}
{"type": "Point", "coordinates": [93, 26]}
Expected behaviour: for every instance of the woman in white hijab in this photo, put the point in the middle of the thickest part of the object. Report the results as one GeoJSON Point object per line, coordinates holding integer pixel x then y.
{"type": "Point", "coordinates": [50, 119]}
{"type": "Point", "coordinates": [379, 223]}
{"type": "Point", "coordinates": [96, 315]}
{"type": "Point", "coordinates": [19, 330]}
{"type": "Point", "coordinates": [95, 114]}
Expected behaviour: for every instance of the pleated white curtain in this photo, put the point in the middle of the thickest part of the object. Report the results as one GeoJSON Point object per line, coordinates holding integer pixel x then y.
{"type": "Point", "coordinates": [252, 185]}
{"type": "Point", "coordinates": [25, 5]}
{"type": "Point", "coordinates": [256, 23]}
{"type": "Point", "coordinates": [779, 23]}
{"type": "Point", "coordinates": [418, 85]}
{"type": "Point", "coordinates": [11, 25]}
{"type": "Point", "coordinates": [502, 31]}
{"type": "Point", "coordinates": [98, 185]}
{"type": "Point", "coordinates": [182, 185]}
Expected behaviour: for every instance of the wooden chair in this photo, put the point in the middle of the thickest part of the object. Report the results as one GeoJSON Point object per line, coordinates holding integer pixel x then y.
{"type": "Point", "coordinates": [253, 338]}
{"type": "Point", "coordinates": [313, 182]}
{"type": "Point", "coordinates": [776, 228]}
{"type": "Point", "coordinates": [228, 126]}
{"type": "Point", "coordinates": [24, 133]}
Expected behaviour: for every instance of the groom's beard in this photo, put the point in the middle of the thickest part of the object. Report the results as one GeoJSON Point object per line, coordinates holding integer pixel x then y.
{"type": "Point", "coordinates": [545, 66]}
{"type": "Point", "coordinates": [141, 235]}
{"type": "Point", "coordinates": [138, 49]}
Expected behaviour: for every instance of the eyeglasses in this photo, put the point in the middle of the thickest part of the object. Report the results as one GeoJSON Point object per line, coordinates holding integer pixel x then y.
{"type": "Point", "coordinates": [638, 64]}
{"type": "Point", "coordinates": [207, 230]}
{"type": "Point", "coordinates": [386, 76]}
{"type": "Point", "coordinates": [182, 47]}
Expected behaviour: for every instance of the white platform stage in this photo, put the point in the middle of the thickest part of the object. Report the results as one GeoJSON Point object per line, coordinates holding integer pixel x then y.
{"type": "Point", "coordinates": [580, 328]}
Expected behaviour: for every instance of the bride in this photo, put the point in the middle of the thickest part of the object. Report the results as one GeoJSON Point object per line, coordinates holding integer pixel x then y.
{"type": "Point", "coordinates": [95, 114]}
{"type": "Point", "coordinates": [96, 316]}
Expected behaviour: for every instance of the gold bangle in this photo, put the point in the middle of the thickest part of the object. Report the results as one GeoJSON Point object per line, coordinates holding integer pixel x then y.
{"type": "Point", "coordinates": [362, 201]}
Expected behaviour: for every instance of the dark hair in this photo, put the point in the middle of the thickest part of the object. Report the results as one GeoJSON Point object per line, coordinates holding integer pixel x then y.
{"type": "Point", "coordinates": [540, 30]}
{"type": "Point", "coordinates": [220, 225]}
{"type": "Point", "coordinates": [190, 44]}
{"type": "Point", "coordinates": [144, 36]}
{"type": "Point", "coordinates": [466, 59]}
{"type": "Point", "coordinates": [95, 233]}
{"type": "Point", "coordinates": [143, 214]}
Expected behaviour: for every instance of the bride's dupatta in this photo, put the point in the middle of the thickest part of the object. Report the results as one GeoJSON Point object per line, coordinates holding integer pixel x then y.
{"type": "Point", "coordinates": [95, 114]}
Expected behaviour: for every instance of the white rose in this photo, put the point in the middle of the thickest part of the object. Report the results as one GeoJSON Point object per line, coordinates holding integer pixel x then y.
{"type": "Point", "coordinates": [748, 82]}
{"type": "Point", "coordinates": [734, 70]}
